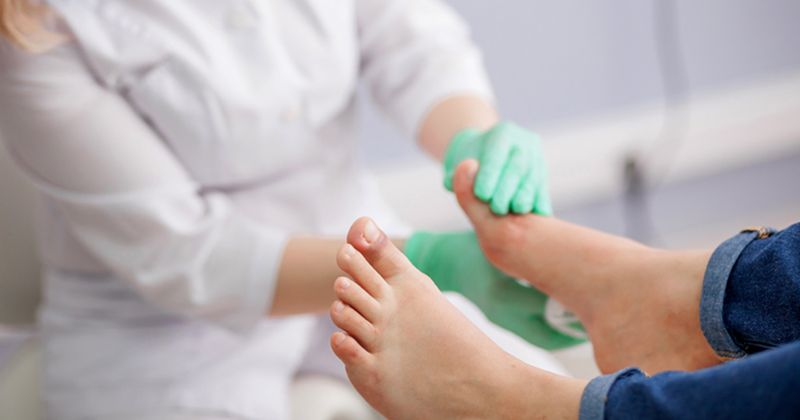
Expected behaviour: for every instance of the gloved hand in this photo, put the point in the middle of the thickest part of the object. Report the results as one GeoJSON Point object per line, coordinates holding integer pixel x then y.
{"type": "Point", "coordinates": [455, 262]}
{"type": "Point", "coordinates": [512, 175]}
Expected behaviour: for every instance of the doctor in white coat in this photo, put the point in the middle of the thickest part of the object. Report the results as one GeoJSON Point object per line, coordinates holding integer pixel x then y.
{"type": "Point", "coordinates": [193, 159]}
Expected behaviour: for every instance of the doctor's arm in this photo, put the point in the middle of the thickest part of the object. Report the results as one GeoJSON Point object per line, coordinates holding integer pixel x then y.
{"type": "Point", "coordinates": [425, 72]}
{"type": "Point", "coordinates": [128, 202]}
{"type": "Point", "coordinates": [450, 116]}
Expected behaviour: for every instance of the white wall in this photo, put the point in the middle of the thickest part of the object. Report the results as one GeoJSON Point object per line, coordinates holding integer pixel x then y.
{"type": "Point", "coordinates": [586, 76]}
{"type": "Point", "coordinates": [553, 61]}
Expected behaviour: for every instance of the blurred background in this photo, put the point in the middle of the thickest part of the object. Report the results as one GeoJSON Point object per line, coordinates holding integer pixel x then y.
{"type": "Point", "coordinates": [674, 122]}
{"type": "Point", "coordinates": [699, 100]}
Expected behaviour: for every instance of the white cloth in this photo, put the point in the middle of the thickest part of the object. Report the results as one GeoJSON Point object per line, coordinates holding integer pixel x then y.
{"type": "Point", "coordinates": [176, 145]}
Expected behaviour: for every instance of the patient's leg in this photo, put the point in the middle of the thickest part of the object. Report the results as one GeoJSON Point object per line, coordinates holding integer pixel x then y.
{"type": "Point", "coordinates": [411, 354]}
{"type": "Point", "coordinates": [639, 305]}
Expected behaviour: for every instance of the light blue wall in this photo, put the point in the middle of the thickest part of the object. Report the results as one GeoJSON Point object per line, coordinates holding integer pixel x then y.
{"type": "Point", "coordinates": [553, 60]}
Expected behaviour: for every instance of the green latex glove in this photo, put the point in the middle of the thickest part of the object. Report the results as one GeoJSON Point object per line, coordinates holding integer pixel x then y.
{"type": "Point", "coordinates": [456, 263]}
{"type": "Point", "coordinates": [512, 175]}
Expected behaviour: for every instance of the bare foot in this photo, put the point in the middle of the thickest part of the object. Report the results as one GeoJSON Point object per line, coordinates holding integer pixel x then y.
{"type": "Point", "coordinates": [640, 306]}
{"type": "Point", "coordinates": [412, 355]}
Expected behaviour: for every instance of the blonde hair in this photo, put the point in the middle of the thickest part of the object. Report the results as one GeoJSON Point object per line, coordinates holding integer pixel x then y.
{"type": "Point", "coordinates": [24, 23]}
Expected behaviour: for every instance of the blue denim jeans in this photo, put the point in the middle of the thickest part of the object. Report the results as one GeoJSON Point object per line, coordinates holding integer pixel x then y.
{"type": "Point", "coordinates": [749, 311]}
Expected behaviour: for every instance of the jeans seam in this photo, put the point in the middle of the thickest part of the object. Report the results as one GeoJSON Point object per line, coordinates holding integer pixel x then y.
{"type": "Point", "coordinates": [712, 299]}
{"type": "Point", "coordinates": [595, 395]}
{"type": "Point", "coordinates": [715, 283]}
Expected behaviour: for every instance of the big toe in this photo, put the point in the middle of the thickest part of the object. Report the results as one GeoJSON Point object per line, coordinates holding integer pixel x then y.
{"type": "Point", "coordinates": [476, 210]}
{"type": "Point", "coordinates": [376, 247]}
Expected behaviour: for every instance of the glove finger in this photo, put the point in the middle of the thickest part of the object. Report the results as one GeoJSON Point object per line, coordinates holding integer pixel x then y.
{"type": "Point", "coordinates": [525, 197]}
{"type": "Point", "coordinates": [496, 151]}
{"type": "Point", "coordinates": [544, 205]}
{"type": "Point", "coordinates": [508, 183]}
{"type": "Point", "coordinates": [448, 180]}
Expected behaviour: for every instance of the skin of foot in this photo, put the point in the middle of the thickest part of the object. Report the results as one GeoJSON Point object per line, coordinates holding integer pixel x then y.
{"type": "Point", "coordinates": [412, 355]}
{"type": "Point", "coordinates": [639, 305]}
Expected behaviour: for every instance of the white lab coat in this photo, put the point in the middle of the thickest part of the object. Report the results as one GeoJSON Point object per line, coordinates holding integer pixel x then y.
{"type": "Point", "coordinates": [176, 145]}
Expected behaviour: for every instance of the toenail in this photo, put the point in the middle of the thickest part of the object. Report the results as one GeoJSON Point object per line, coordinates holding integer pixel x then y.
{"type": "Point", "coordinates": [371, 232]}
{"type": "Point", "coordinates": [344, 283]}
{"type": "Point", "coordinates": [338, 306]}
{"type": "Point", "coordinates": [339, 338]}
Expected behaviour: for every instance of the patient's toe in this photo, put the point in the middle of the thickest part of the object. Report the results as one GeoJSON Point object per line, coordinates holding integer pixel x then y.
{"type": "Point", "coordinates": [353, 263]}
{"type": "Point", "coordinates": [348, 319]}
{"type": "Point", "coordinates": [349, 351]}
{"type": "Point", "coordinates": [463, 185]}
{"type": "Point", "coordinates": [352, 294]}
{"type": "Point", "coordinates": [378, 250]}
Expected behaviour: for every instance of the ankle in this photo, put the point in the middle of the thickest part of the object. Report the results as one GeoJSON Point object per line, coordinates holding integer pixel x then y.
{"type": "Point", "coordinates": [689, 265]}
{"type": "Point", "coordinates": [679, 274]}
{"type": "Point", "coordinates": [617, 271]}
{"type": "Point", "coordinates": [541, 394]}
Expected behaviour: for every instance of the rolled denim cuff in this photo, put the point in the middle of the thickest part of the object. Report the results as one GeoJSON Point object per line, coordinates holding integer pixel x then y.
{"type": "Point", "coordinates": [715, 282]}
{"type": "Point", "coordinates": [595, 395]}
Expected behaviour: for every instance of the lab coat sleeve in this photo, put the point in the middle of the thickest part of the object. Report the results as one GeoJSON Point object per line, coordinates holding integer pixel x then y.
{"type": "Point", "coordinates": [127, 199]}
{"type": "Point", "coordinates": [414, 54]}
